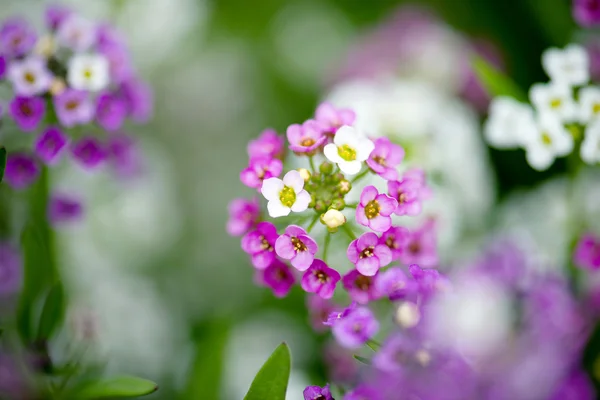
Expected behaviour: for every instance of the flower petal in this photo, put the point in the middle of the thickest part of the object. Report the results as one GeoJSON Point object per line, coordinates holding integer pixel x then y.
{"type": "Point", "coordinates": [284, 247]}
{"type": "Point", "coordinates": [331, 152]}
{"type": "Point", "coordinates": [302, 201]}
{"type": "Point", "coordinates": [368, 239]}
{"type": "Point", "coordinates": [380, 223]}
{"type": "Point", "coordinates": [276, 209]}
{"type": "Point", "coordinates": [294, 180]}
{"type": "Point", "coordinates": [387, 204]}
{"type": "Point", "coordinates": [271, 188]}
{"type": "Point", "coordinates": [353, 251]}
{"type": "Point", "coordinates": [368, 266]}
{"type": "Point", "coordinates": [369, 193]}
{"type": "Point", "coordinates": [303, 260]}
{"type": "Point", "coordinates": [361, 217]}
{"type": "Point", "coordinates": [263, 259]}
{"type": "Point", "coordinates": [384, 254]}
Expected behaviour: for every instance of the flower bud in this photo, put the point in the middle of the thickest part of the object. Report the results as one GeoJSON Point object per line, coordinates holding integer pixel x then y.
{"type": "Point", "coordinates": [320, 206]}
{"type": "Point", "coordinates": [45, 46]}
{"type": "Point", "coordinates": [408, 314]}
{"type": "Point", "coordinates": [333, 219]}
{"type": "Point", "coordinates": [57, 86]}
{"type": "Point", "coordinates": [338, 204]}
{"type": "Point", "coordinates": [326, 168]}
{"type": "Point", "coordinates": [304, 173]}
{"type": "Point", "coordinates": [344, 186]}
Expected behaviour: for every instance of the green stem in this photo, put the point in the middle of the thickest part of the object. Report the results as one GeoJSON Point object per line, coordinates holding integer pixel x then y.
{"type": "Point", "coordinates": [373, 345]}
{"type": "Point", "coordinates": [326, 246]}
{"type": "Point", "coordinates": [360, 176]}
{"type": "Point", "coordinates": [312, 223]}
{"type": "Point", "coordinates": [311, 161]}
{"type": "Point", "coordinates": [353, 205]}
{"type": "Point", "coordinates": [349, 232]}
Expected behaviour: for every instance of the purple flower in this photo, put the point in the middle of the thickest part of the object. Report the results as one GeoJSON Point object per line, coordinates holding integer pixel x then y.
{"type": "Point", "coordinates": [396, 238]}
{"type": "Point", "coordinates": [243, 215]}
{"type": "Point", "coordinates": [364, 392]}
{"type": "Point", "coordinates": [119, 61]}
{"type": "Point", "coordinates": [111, 112]}
{"type": "Point", "coordinates": [341, 365]}
{"type": "Point", "coordinates": [124, 155]}
{"type": "Point", "coordinates": [317, 393]}
{"type": "Point", "coordinates": [320, 279]}
{"type": "Point", "coordinates": [63, 208]}
{"type": "Point", "coordinates": [27, 112]}
{"type": "Point", "coordinates": [335, 316]}
{"type": "Point", "coordinates": [587, 252]}
{"type": "Point", "coordinates": [332, 118]}
{"type": "Point", "coordinates": [89, 153]}
{"type": "Point", "coordinates": [586, 12]}
{"type": "Point", "coordinates": [319, 310]}
{"type": "Point", "coordinates": [577, 386]}
{"type": "Point", "coordinates": [295, 245]}
{"type": "Point", "coordinates": [279, 278]}
{"type": "Point", "coordinates": [361, 288]}
{"type": "Point", "coordinates": [260, 169]}
{"type": "Point", "coordinates": [74, 107]}
{"type": "Point", "coordinates": [385, 158]}
{"type": "Point", "coordinates": [17, 38]}
{"type": "Point", "coordinates": [260, 244]}
{"type": "Point", "coordinates": [408, 194]}
{"type": "Point", "coordinates": [29, 76]}
{"type": "Point", "coordinates": [421, 247]}
{"type": "Point", "coordinates": [138, 97]}
{"type": "Point", "coordinates": [356, 328]}
{"type": "Point", "coordinates": [394, 284]}
{"type": "Point", "coordinates": [368, 254]}
{"type": "Point", "coordinates": [374, 209]}
{"type": "Point", "coordinates": [55, 15]}
{"type": "Point", "coordinates": [428, 280]}
{"type": "Point", "coordinates": [3, 67]}
{"type": "Point", "coordinates": [11, 273]}
{"type": "Point", "coordinates": [50, 145]}
{"type": "Point", "coordinates": [305, 138]}
{"type": "Point", "coordinates": [269, 144]}
{"type": "Point", "coordinates": [77, 33]}
{"type": "Point", "coordinates": [21, 170]}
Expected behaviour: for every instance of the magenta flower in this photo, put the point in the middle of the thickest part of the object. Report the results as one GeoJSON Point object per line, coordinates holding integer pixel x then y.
{"type": "Point", "coordinates": [111, 112]}
{"type": "Point", "coordinates": [368, 254]}
{"type": "Point", "coordinates": [317, 393]}
{"type": "Point", "coordinates": [356, 328]}
{"type": "Point", "coordinates": [320, 279]}
{"type": "Point", "coordinates": [361, 288]}
{"type": "Point", "coordinates": [586, 12]}
{"type": "Point", "coordinates": [89, 153]}
{"type": "Point", "coordinates": [138, 98]}
{"type": "Point", "coordinates": [332, 118]}
{"type": "Point", "coordinates": [243, 215]}
{"type": "Point", "coordinates": [295, 245]}
{"type": "Point", "coordinates": [335, 316]}
{"type": "Point", "coordinates": [64, 208]}
{"type": "Point", "coordinates": [394, 284]}
{"type": "Point", "coordinates": [374, 209]}
{"type": "Point", "coordinates": [260, 169]}
{"type": "Point", "coordinates": [422, 247]}
{"type": "Point", "coordinates": [17, 38]}
{"type": "Point", "coordinates": [29, 76]}
{"type": "Point", "coordinates": [587, 252]}
{"type": "Point", "coordinates": [74, 107]}
{"type": "Point", "coordinates": [362, 392]}
{"type": "Point", "coordinates": [428, 280]}
{"type": "Point", "coordinates": [11, 272]}
{"type": "Point", "coordinates": [269, 144]}
{"type": "Point", "coordinates": [27, 112]}
{"type": "Point", "coordinates": [119, 60]}
{"type": "Point", "coordinates": [396, 238]}
{"type": "Point", "coordinates": [305, 138]}
{"type": "Point", "coordinates": [260, 244]}
{"type": "Point", "coordinates": [385, 158]}
{"type": "Point", "coordinates": [55, 15]}
{"type": "Point", "coordinates": [50, 145]}
{"type": "Point", "coordinates": [3, 67]}
{"type": "Point", "coordinates": [279, 277]}
{"type": "Point", "coordinates": [408, 194]}
{"type": "Point", "coordinates": [76, 33]}
{"type": "Point", "coordinates": [21, 170]}
{"type": "Point", "coordinates": [319, 310]}
{"type": "Point", "coordinates": [396, 353]}
{"type": "Point", "coordinates": [124, 155]}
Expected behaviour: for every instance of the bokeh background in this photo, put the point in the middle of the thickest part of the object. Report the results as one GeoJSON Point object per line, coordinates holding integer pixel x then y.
{"type": "Point", "coordinates": [172, 295]}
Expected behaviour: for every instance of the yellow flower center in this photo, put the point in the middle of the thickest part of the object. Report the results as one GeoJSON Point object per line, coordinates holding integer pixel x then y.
{"type": "Point", "coordinates": [87, 73]}
{"type": "Point", "coordinates": [264, 245]}
{"type": "Point", "coordinates": [307, 142]}
{"type": "Point", "coordinates": [366, 253]}
{"type": "Point", "coordinates": [287, 196]}
{"type": "Point", "coordinates": [321, 276]}
{"type": "Point", "coordinates": [555, 103]}
{"type": "Point", "coordinates": [390, 242]}
{"type": "Point", "coordinates": [298, 244]}
{"type": "Point", "coordinates": [29, 77]}
{"type": "Point", "coordinates": [372, 209]}
{"type": "Point", "coordinates": [596, 108]}
{"type": "Point", "coordinates": [380, 160]}
{"type": "Point", "coordinates": [363, 283]}
{"type": "Point", "coordinates": [347, 152]}
{"type": "Point", "coordinates": [546, 139]}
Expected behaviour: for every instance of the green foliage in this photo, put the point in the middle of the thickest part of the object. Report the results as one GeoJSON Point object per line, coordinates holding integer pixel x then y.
{"type": "Point", "coordinates": [495, 82]}
{"type": "Point", "coordinates": [119, 387]}
{"type": "Point", "coordinates": [272, 380]}
{"type": "Point", "coordinates": [362, 359]}
{"type": "Point", "coordinates": [52, 313]}
{"type": "Point", "coordinates": [2, 162]}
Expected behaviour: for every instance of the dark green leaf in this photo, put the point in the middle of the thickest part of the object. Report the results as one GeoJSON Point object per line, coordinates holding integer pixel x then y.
{"type": "Point", "coordinates": [495, 82]}
{"type": "Point", "coordinates": [52, 313]}
{"type": "Point", "coordinates": [119, 387]}
{"type": "Point", "coordinates": [2, 162]}
{"type": "Point", "coordinates": [272, 379]}
{"type": "Point", "coordinates": [362, 359]}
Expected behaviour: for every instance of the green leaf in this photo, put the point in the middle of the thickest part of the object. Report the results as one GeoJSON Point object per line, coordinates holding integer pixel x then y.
{"type": "Point", "coordinates": [2, 162]}
{"type": "Point", "coordinates": [119, 387]}
{"type": "Point", "coordinates": [495, 82]}
{"type": "Point", "coordinates": [272, 379]}
{"type": "Point", "coordinates": [52, 313]}
{"type": "Point", "coordinates": [362, 359]}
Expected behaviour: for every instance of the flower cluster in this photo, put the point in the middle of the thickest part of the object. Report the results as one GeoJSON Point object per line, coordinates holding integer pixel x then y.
{"type": "Point", "coordinates": [563, 116]}
{"type": "Point", "coordinates": [337, 156]}
{"type": "Point", "coordinates": [74, 89]}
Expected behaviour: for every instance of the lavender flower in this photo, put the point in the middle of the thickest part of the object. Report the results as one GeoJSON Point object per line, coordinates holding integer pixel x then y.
{"type": "Point", "coordinates": [76, 33]}
{"type": "Point", "coordinates": [279, 278]}
{"type": "Point", "coordinates": [421, 247]}
{"type": "Point", "coordinates": [331, 118]}
{"type": "Point", "coordinates": [356, 328]}
{"type": "Point", "coordinates": [55, 15]}
{"type": "Point", "coordinates": [21, 170]}
{"type": "Point", "coordinates": [361, 288]}
{"type": "Point", "coordinates": [11, 273]}
{"type": "Point", "coordinates": [394, 284]}
{"type": "Point", "coordinates": [269, 144]}
{"type": "Point", "coordinates": [260, 244]}
{"type": "Point", "coordinates": [317, 393]}
{"type": "Point", "coordinates": [319, 310]}
{"type": "Point", "coordinates": [243, 215]}
{"type": "Point", "coordinates": [17, 38]}
{"type": "Point", "coordinates": [408, 194]}
{"type": "Point", "coordinates": [305, 138]}
{"type": "Point", "coordinates": [124, 155]}
{"type": "Point", "coordinates": [385, 158]}
{"type": "Point", "coordinates": [138, 97]}
{"type": "Point", "coordinates": [368, 254]}
{"type": "Point", "coordinates": [364, 392]}
{"type": "Point", "coordinates": [89, 153]}
{"type": "Point", "coordinates": [50, 145]}
{"type": "Point", "coordinates": [587, 252]}
{"type": "Point", "coordinates": [111, 112]}
{"type": "Point", "coordinates": [260, 169]}
{"type": "Point", "coordinates": [74, 107]}
{"type": "Point", "coordinates": [396, 238]}
{"type": "Point", "coordinates": [64, 208]}
{"type": "Point", "coordinates": [119, 61]}
{"type": "Point", "coordinates": [29, 76]}
{"type": "Point", "coordinates": [27, 112]}
{"type": "Point", "coordinates": [374, 209]}
{"type": "Point", "coordinates": [295, 245]}
{"type": "Point", "coordinates": [320, 279]}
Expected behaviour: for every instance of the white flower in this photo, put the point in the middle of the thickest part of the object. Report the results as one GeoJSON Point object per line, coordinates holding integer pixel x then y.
{"type": "Point", "coordinates": [77, 33]}
{"type": "Point", "coordinates": [548, 141]}
{"type": "Point", "coordinates": [508, 118]}
{"type": "Point", "coordinates": [554, 98]}
{"type": "Point", "coordinates": [569, 66]}
{"type": "Point", "coordinates": [285, 195]}
{"type": "Point", "coordinates": [333, 219]}
{"type": "Point", "coordinates": [589, 103]}
{"type": "Point", "coordinates": [29, 76]}
{"type": "Point", "coordinates": [88, 72]}
{"type": "Point", "coordinates": [349, 149]}
{"type": "Point", "coordinates": [590, 147]}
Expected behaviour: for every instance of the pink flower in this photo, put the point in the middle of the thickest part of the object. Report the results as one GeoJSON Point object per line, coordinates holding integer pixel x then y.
{"type": "Point", "coordinates": [278, 277]}
{"type": "Point", "coordinates": [587, 252]}
{"type": "Point", "coordinates": [332, 118]}
{"type": "Point", "coordinates": [259, 169]}
{"type": "Point", "coordinates": [295, 245]}
{"type": "Point", "coordinates": [368, 254]}
{"type": "Point", "coordinates": [260, 244]}
{"type": "Point", "coordinates": [269, 144]}
{"type": "Point", "coordinates": [305, 138]}
{"type": "Point", "coordinates": [587, 12]}
{"type": "Point", "coordinates": [356, 328]}
{"type": "Point", "coordinates": [320, 279]}
{"type": "Point", "coordinates": [361, 288]}
{"type": "Point", "coordinates": [50, 145]}
{"type": "Point", "coordinates": [375, 209]}
{"type": "Point", "coordinates": [385, 158]}
{"type": "Point", "coordinates": [421, 247]}
{"type": "Point", "coordinates": [394, 284]}
{"type": "Point", "coordinates": [410, 191]}
{"type": "Point", "coordinates": [319, 310]}
{"type": "Point", "coordinates": [396, 238]}
{"type": "Point", "coordinates": [243, 215]}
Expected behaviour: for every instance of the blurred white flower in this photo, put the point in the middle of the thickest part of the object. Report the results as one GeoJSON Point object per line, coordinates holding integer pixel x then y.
{"type": "Point", "coordinates": [568, 66]}
{"type": "Point", "coordinates": [554, 99]}
{"type": "Point", "coordinates": [549, 141]}
{"type": "Point", "coordinates": [507, 117]}
{"type": "Point", "coordinates": [590, 147]}
{"type": "Point", "coordinates": [589, 103]}
{"type": "Point", "coordinates": [88, 72]}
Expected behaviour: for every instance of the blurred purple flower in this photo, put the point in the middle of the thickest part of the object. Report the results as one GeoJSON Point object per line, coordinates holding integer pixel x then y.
{"type": "Point", "coordinates": [21, 170]}
{"type": "Point", "coordinates": [50, 145]}
{"type": "Point", "coordinates": [394, 284]}
{"type": "Point", "coordinates": [76, 33]}
{"type": "Point", "coordinates": [111, 112]}
{"type": "Point", "coordinates": [586, 12]}
{"type": "Point", "coordinates": [138, 98]}
{"type": "Point", "coordinates": [89, 153]}
{"type": "Point", "coordinates": [125, 155]}
{"type": "Point", "coordinates": [305, 138]}
{"type": "Point", "coordinates": [317, 393]}
{"type": "Point", "coordinates": [11, 270]}
{"type": "Point", "coordinates": [279, 277]}
{"type": "Point", "coordinates": [269, 144]}
{"type": "Point", "coordinates": [356, 328]}
{"type": "Point", "coordinates": [64, 208]}
{"type": "Point", "coordinates": [55, 15]}
{"type": "Point", "coordinates": [396, 238]}
{"type": "Point", "coordinates": [361, 288]}
{"type": "Point", "coordinates": [587, 252]}
{"type": "Point", "coordinates": [17, 37]}
{"type": "Point", "coordinates": [319, 310]}
{"type": "Point", "coordinates": [74, 107]}
{"type": "Point", "coordinates": [243, 215]}
{"type": "Point", "coordinates": [421, 248]}
{"type": "Point", "coordinates": [384, 159]}
{"type": "Point", "coordinates": [260, 169]}
{"type": "Point", "coordinates": [29, 76]}
{"type": "Point", "coordinates": [27, 112]}
{"type": "Point", "coordinates": [260, 244]}
{"type": "Point", "coordinates": [332, 118]}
